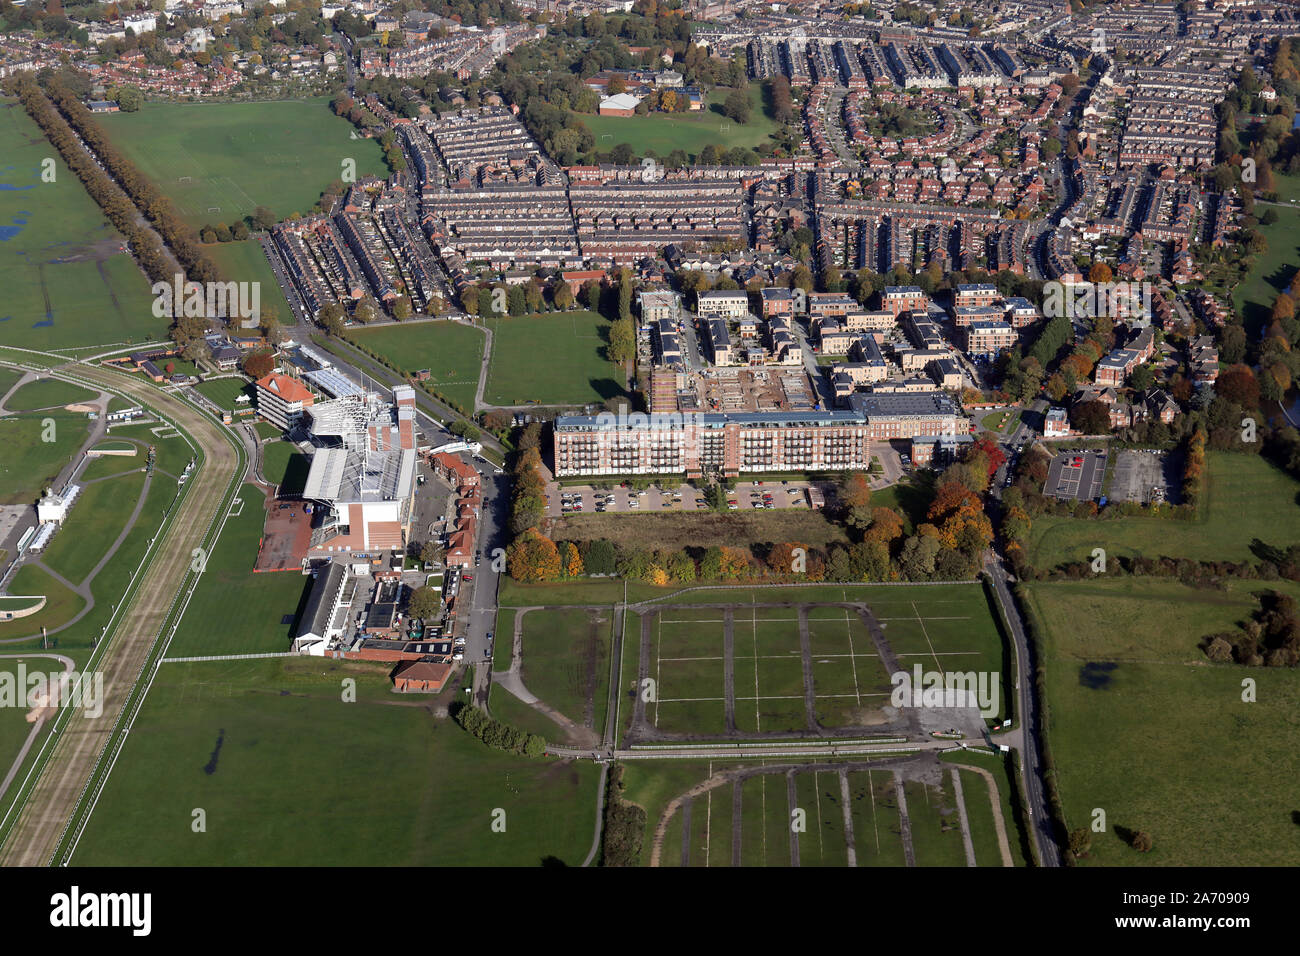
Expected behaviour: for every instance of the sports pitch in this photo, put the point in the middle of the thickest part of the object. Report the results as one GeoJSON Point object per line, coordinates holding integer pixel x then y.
{"type": "Point", "coordinates": [551, 359]}
{"type": "Point", "coordinates": [451, 352]}
{"type": "Point", "coordinates": [219, 161]}
{"type": "Point", "coordinates": [67, 278]}
{"type": "Point", "coordinates": [894, 812]}
{"type": "Point", "coordinates": [690, 132]}
{"type": "Point", "coordinates": [799, 668]}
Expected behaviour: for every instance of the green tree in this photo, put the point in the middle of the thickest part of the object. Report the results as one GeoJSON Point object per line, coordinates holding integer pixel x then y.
{"type": "Point", "coordinates": [622, 342]}
{"type": "Point", "coordinates": [425, 603]}
{"type": "Point", "coordinates": [263, 218]}
{"type": "Point", "coordinates": [736, 106]}
{"type": "Point", "coordinates": [129, 99]}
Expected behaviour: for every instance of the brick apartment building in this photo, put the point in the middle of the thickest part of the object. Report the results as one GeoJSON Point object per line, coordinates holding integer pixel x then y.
{"type": "Point", "coordinates": [730, 444]}
{"type": "Point", "coordinates": [902, 298]}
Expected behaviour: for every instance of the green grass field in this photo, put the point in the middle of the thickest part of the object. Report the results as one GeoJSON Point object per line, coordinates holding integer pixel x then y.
{"type": "Point", "coordinates": [452, 352]}
{"type": "Point", "coordinates": [767, 816]}
{"type": "Point", "coordinates": [14, 728]}
{"type": "Point", "coordinates": [676, 530]}
{"type": "Point", "coordinates": [691, 132]}
{"type": "Point", "coordinates": [246, 262]}
{"type": "Point", "coordinates": [877, 826]}
{"type": "Point", "coordinates": [47, 393]}
{"type": "Point", "coordinates": [261, 620]}
{"type": "Point", "coordinates": [93, 524]}
{"type": "Point", "coordinates": [30, 463]}
{"type": "Point", "coordinates": [942, 627]}
{"type": "Point", "coordinates": [111, 465]}
{"type": "Point", "coordinates": [1248, 498]}
{"type": "Point", "coordinates": [367, 783]}
{"type": "Point", "coordinates": [509, 709]}
{"type": "Point", "coordinates": [172, 453]}
{"type": "Point", "coordinates": [9, 378]}
{"type": "Point", "coordinates": [220, 161]}
{"type": "Point", "coordinates": [285, 466]}
{"type": "Point", "coordinates": [61, 603]}
{"type": "Point", "coordinates": [550, 360]}
{"type": "Point", "coordinates": [566, 662]}
{"type": "Point", "coordinates": [67, 278]}
{"type": "Point", "coordinates": [1271, 272]}
{"type": "Point", "coordinates": [224, 391]}
{"type": "Point", "coordinates": [1142, 727]}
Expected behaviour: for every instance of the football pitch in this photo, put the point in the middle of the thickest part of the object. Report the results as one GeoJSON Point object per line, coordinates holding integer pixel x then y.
{"type": "Point", "coordinates": [219, 161]}
{"type": "Point", "coordinates": [800, 669]}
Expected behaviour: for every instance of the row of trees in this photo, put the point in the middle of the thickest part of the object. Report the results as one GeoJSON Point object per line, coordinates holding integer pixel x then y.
{"type": "Point", "coordinates": [1194, 469]}
{"type": "Point", "coordinates": [116, 205]}
{"type": "Point", "coordinates": [944, 547]}
{"type": "Point", "coordinates": [149, 200]}
{"type": "Point", "coordinates": [498, 735]}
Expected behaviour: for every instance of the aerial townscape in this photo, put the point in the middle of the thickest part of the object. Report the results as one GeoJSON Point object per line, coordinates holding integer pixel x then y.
{"type": "Point", "coordinates": [527, 432]}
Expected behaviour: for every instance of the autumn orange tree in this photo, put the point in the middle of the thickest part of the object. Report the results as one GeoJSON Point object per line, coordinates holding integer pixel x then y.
{"type": "Point", "coordinates": [886, 526]}
{"type": "Point", "coordinates": [570, 560]}
{"type": "Point", "coordinates": [789, 557]}
{"type": "Point", "coordinates": [958, 515]}
{"type": "Point", "coordinates": [533, 557]}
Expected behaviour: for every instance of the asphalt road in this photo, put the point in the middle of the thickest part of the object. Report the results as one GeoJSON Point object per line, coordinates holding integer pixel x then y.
{"type": "Point", "coordinates": [1031, 763]}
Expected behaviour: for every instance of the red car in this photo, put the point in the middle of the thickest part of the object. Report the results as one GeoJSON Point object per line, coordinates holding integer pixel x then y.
{"type": "Point", "coordinates": [468, 577]}
{"type": "Point", "coordinates": [1078, 461]}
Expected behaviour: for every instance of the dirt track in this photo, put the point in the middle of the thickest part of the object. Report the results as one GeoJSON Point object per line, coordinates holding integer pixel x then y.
{"type": "Point", "coordinates": [39, 827]}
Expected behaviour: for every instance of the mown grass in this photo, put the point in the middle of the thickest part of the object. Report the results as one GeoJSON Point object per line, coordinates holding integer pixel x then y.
{"type": "Point", "coordinates": [262, 619]}
{"type": "Point", "coordinates": [47, 393]}
{"type": "Point", "coordinates": [388, 785]}
{"type": "Point", "coordinates": [30, 463]}
{"type": "Point", "coordinates": [219, 161]}
{"type": "Point", "coordinates": [451, 352]}
{"type": "Point", "coordinates": [67, 277]}
{"type": "Point", "coordinates": [1143, 728]}
{"type": "Point", "coordinates": [555, 359]}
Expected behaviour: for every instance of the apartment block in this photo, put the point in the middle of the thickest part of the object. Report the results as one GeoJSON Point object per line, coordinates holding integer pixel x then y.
{"type": "Point", "coordinates": [724, 305]}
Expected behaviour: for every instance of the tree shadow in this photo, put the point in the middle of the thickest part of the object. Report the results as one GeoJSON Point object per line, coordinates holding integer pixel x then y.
{"type": "Point", "coordinates": [606, 388]}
